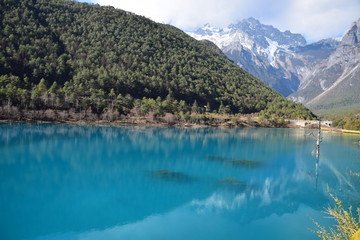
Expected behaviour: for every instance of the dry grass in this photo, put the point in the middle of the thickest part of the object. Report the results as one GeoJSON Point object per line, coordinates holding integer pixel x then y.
{"type": "Point", "coordinates": [350, 131]}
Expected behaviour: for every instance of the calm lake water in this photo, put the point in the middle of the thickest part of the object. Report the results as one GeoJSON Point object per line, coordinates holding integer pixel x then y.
{"type": "Point", "coordinates": [101, 182]}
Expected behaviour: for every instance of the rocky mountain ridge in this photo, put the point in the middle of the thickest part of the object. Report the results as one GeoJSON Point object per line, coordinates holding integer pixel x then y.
{"type": "Point", "coordinates": [335, 82]}
{"type": "Point", "coordinates": [275, 57]}
{"type": "Point", "coordinates": [321, 75]}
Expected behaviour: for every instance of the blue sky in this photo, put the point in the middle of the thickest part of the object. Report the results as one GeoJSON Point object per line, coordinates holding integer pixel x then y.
{"type": "Point", "coordinates": [315, 19]}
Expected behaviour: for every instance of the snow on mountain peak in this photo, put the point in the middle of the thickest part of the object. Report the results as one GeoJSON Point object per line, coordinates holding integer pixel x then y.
{"type": "Point", "coordinates": [260, 49]}
{"type": "Point", "coordinates": [250, 34]}
{"type": "Point", "coordinates": [253, 30]}
{"type": "Point", "coordinates": [284, 60]}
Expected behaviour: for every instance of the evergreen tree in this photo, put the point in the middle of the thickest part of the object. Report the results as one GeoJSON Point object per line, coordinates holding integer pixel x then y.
{"type": "Point", "coordinates": [88, 54]}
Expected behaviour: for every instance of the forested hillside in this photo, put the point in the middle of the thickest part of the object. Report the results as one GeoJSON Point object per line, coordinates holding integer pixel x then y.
{"type": "Point", "coordinates": [65, 55]}
{"type": "Point", "coordinates": [350, 121]}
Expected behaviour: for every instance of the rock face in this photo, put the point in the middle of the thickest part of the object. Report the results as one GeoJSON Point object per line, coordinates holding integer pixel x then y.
{"type": "Point", "coordinates": [279, 59]}
{"type": "Point", "coordinates": [322, 75]}
{"type": "Point", "coordinates": [335, 82]}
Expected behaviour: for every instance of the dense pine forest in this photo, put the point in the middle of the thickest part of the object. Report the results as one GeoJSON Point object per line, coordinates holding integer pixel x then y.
{"type": "Point", "coordinates": [63, 60]}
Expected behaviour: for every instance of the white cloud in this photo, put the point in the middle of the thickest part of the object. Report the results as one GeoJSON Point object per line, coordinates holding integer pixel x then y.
{"type": "Point", "coordinates": [315, 19]}
{"type": "Point", "coordinates": [319, 19]}
{"type": "Point", "coordinates": [181, 13]}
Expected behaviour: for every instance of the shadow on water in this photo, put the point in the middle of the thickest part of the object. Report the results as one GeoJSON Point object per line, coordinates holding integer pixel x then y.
{"type": "Point", "coordinates": [236, 162]}
{"type": "Point", "coordinates": [168, 175]}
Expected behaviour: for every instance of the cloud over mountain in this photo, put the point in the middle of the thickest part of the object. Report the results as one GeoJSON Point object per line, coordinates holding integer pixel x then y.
{"type": "Point", "coordinates": [315, 19]}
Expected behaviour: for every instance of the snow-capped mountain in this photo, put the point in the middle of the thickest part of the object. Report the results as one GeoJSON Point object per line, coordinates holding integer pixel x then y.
{"type": "Point", "coordinates": [322, 75]}
{"type": "Point", "coordinates": [280, 59]}
{"type": "Point", "coordinates": [336, 82]}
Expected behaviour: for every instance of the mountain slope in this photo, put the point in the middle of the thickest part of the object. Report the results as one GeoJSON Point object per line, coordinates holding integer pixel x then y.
{"type": "Point", "coordinates": [280, 59]}
{"type": "Point", "coordinates": [64, 54]}
{"type": "Point", "coordinates": [335, 83]}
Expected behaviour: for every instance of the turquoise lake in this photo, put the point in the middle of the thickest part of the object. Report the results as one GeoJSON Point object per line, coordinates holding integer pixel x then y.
{"type": "Point", "coordinates": [61, 181]}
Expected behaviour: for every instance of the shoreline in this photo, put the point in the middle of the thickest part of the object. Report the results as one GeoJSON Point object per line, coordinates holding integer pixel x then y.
{"type": "Point", "coordinates": [142, 122]}
{"type": "Point", "coordinates": [194, 121]}
{"type": "Point", "coordinates": [139, 123]}
{"type": "Point", "coordinates": [342, 131]}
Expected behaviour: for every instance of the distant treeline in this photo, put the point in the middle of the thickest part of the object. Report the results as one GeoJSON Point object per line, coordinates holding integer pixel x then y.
{"type": "Point", "coordinates": [351, 121]}
{"type": "Point", "coordinates": [69, 56]}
